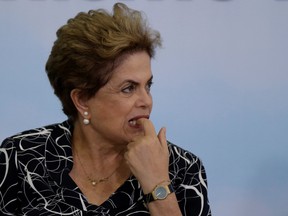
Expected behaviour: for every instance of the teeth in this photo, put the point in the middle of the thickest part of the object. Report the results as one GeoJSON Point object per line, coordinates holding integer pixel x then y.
{"type": "Point", "coordinates": [132, 122]}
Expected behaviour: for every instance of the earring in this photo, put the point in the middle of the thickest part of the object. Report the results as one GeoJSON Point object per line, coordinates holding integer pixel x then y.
{"type": "Point", "coordinates": [85, 120]}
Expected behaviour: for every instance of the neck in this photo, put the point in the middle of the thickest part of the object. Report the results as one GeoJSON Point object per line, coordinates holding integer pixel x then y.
{"type": "Point", "coordinates": [94, 148]}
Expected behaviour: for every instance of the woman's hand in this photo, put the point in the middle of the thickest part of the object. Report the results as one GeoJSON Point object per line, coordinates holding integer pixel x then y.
{"type": "Point", "coordinates": [148, 156]}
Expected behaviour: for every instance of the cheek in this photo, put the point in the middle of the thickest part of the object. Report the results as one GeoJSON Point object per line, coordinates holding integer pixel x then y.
{"type": "Point", "coordinates": [118, 110]}
{"type": "Point", "coordinates": [113, 109]}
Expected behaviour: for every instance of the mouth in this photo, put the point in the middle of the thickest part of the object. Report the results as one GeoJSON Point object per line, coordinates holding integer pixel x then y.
{"type": "Point", "coordinates": [133, 121]}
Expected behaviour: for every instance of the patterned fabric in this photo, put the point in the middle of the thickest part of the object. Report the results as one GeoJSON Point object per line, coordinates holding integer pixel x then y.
{"type": "Point", "coordinates": [34, 179]}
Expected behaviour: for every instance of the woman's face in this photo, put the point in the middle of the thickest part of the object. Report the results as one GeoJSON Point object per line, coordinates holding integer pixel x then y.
{"type": "Point", "coordinates": [125, 98]}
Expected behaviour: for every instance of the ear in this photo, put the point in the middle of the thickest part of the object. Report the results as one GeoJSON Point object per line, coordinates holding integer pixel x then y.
{"type": "Point", "coordinates": [79, 102]}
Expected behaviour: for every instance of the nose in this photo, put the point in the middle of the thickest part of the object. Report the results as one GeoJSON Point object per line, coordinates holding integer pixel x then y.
{"type": "Point", "coordinates": [144, 99]}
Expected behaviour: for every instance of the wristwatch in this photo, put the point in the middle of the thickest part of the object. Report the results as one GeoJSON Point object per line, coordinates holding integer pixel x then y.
{"type": "Point", "coordinates": [160, 192]}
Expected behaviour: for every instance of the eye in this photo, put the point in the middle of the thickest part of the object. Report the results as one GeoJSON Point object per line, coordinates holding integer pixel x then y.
{"type": "Point", "coordinates": [148, 86]}
{"type": "Point", "coordinates": [129, 88]}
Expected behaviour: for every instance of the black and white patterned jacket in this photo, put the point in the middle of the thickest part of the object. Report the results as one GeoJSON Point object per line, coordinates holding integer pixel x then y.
{"type": "Point", "coordinates": [34, 179]}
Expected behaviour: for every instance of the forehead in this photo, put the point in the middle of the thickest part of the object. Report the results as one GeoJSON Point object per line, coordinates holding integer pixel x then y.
{"type": "Point", "coordinates": [136, 66]}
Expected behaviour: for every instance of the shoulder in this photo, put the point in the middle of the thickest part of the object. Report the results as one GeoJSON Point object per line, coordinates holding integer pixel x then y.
{"type": "Point", "coordinates": [36, 137]}
{"type": "Point", "coordinates": [179, 154]}
{"type": "Point", "coordinates": [184, 164]}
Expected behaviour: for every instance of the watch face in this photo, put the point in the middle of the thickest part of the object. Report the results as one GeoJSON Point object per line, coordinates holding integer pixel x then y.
{"type": "Point", "coordinates": [161, 192]}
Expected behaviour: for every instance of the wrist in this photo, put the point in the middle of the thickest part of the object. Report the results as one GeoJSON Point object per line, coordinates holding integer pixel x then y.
{"type": "Point", "coordinates": [160, 192]}
{"type": "Point", "coordinates": [149, 184]}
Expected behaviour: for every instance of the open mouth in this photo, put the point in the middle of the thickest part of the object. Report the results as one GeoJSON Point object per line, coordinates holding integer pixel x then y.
{"type": "Point", "coordinates": [133, 121]}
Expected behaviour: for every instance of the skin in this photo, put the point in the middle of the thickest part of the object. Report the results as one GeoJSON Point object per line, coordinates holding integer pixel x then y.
{"type": "Point", "coordinates": [121, 137]}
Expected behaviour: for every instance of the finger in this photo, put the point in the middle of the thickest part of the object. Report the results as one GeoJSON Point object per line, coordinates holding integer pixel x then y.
{"type": "Point", "coordinates": [162, 136]}
{"type": "Point", "coordinates": [147, 125]}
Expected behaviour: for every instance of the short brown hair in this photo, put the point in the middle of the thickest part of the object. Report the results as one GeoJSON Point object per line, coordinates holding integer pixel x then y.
{"type": "Point", "coordinates": [91, 45]}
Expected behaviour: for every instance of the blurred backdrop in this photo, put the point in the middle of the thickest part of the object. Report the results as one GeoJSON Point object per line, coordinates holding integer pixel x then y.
{"type": "Point", "coordinates": [220, 88]}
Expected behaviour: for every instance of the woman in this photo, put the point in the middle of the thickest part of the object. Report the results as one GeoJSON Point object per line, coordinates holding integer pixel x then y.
{"type": "Point", "coordinates": [107, 158]}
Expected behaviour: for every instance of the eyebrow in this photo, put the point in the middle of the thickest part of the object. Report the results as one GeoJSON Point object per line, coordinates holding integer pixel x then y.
{"type": "Point", "coordinates": [134, 82]}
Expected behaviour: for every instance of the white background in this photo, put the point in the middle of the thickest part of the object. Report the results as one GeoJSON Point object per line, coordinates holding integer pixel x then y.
{"type": "Point", "coordinates": [221, 84]}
